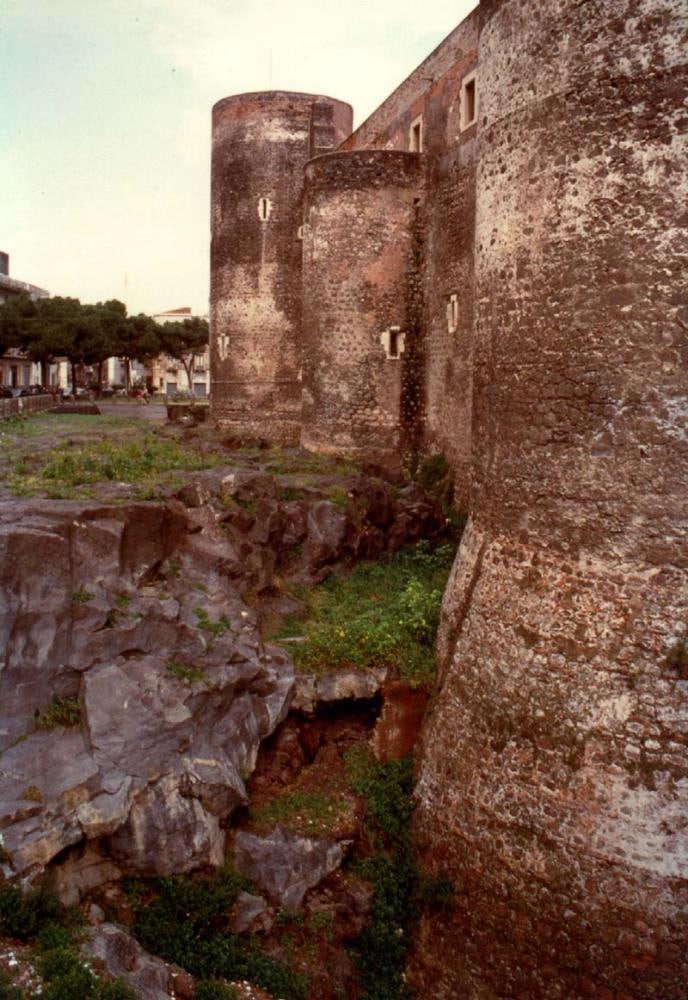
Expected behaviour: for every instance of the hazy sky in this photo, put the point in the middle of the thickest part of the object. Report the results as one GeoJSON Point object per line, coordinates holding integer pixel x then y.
{"type": "Point", "coordinates": [105, 122]}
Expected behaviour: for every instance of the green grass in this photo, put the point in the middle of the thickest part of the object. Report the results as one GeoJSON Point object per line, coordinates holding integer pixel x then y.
{"type": "Point", "coordinates": [121, 461]}
{"type": "Point", "coordinates": [60, 712]}
{"type": "Point", "coordinates": [303, 812]}
{"type": "Point", "coordinates": [382, 614]}
{"type": "Point", "coordinates": [292, 460]}
{"type": "Point", "coordinates": [78, 452]}
{"type": "Point", "coordinates": [57, 424]}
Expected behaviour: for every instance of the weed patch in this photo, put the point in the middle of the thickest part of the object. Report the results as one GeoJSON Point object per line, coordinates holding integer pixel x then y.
{"type": "Point", "coordinates": [60, 712]}
{"type": "Point", "coordinates": [284, 461]}
{"type": "Point", "coordinates": [82, 597]}
{"type": "Point", "coordinates": [380, 951]}
{"type": "Point", "coordinates": [216, 629]}
{"type": "Point", "coordinates": [185, 672]}
{"type": "Point", "coordinates": [211, 989]}
{"type": "Point", "coordinates": [302, 812]}
{"type": "Point", "coordinates": [382, 614]}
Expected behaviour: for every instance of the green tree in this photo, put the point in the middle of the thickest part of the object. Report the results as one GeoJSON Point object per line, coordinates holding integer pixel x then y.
{"type": "Point", "coordinates": [139, 340]}
{"type": "Point", "coordinates": [113, 323]}
{"type": "Point", "coordinates": [183, 341]}
{"type": "Point", "coordinates": [44, 329]}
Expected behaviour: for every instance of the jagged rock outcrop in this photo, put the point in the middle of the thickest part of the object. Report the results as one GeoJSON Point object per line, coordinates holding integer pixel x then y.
{"type": "Point", "coordinates": [169, 695]}
{"type": "Point", "coordinates": [135, 689]}
{"type": "Point", "coordinates": [123, 957]}
{"type": "Point", "coordinates": [286, 865]}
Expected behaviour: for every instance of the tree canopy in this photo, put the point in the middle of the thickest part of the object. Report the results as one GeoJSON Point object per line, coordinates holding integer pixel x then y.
{"type": "Point", "coordinates": [184, 341]}
{"type": "Point", "coordinates": [51, 328]}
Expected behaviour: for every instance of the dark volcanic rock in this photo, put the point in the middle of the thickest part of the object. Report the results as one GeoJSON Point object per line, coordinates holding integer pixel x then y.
{"type": "Point", "coordinates": [171, 684]}
{"type": "Point", "coordinates": [124, 957]}
{"type": "Point", "coordinates": [286, 865]}
{"type": "Point", "coordinates": [133, 615]}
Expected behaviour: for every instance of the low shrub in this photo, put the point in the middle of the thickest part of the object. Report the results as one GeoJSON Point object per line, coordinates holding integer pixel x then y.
{"type": "Point", "coordinates": [82, 597]}
{"type": "Point", "coordinates": [387, 788]}
{"type": "Point", "coordinates": [23, 915]}
{"type": "Point", "coordinates": [214, 989]}
{"type": "Point", "coordinates": [7, 990]}
{"type": "Point", "coordinates": [380, 950]}
{"type": "Point", "coordinates": [216, 629]}
{"type": "Point", "coordinates": [39, 916]}
{"type": "Point", "coordinates": [188, 923]}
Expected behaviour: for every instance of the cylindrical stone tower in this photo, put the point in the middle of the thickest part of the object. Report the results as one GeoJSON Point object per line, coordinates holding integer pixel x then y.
{"type": "Point", "coordinates": [553, 787]}
{"type": "Point", "coordinates": [359, 288]}
{"type": "Point", "coordinates": [261, 143]}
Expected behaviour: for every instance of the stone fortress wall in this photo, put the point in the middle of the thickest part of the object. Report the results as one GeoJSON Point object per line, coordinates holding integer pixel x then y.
{"type": "Point", "coordinates": [359, 225]}
{"type": "Point", "coordinates": [531, 258]}
{"type": "Point", "coordinates": [261, 144]}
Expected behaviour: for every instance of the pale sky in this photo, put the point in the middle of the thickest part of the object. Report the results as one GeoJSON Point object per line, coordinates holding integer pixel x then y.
{"type": "Point", "coordinates": [105, 122]}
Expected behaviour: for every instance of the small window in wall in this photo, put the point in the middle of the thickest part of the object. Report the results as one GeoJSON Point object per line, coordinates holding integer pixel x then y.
{"type": "Point", "coordinates": [264, 209]}
{"type": "Point", "coordinates": [452, 312]}
{"type": "Point", "coordinates": [416, 135]}
{"type": "Point", "coordinates": [469, 101]}
{"type": "Point", "coordinates": [299, 233]}
{"type": "Point", "coordinates": [393, 342]}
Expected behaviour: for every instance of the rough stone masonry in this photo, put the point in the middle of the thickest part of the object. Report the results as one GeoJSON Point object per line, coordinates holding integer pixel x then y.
{"type": "Point", "coordinates": [542, 302]}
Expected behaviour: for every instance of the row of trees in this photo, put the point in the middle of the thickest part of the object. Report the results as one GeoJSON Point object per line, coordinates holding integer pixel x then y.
{"type": "Point", "coordinates": [48, 329]}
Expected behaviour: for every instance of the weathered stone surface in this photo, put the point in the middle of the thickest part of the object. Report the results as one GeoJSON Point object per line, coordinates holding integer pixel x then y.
{"type": "Point", "coordinates": [134, 613]}
{"type": "Point", "coordinates": [286, 865]}
{"type": "Point", "coordinates": [246, 911]}
{"type": "Point", "coordinates": [175, 688]}
{"type": "Point", "coordinates": [396, 730]}
{"type": "Point", "coordinates": [360, 213]}
{"type": "Point", "coordinates": [124, 957]}
{"type": "Point", "coordinates": [245, 484]}
{"type": "Point", "coordinates": [261, 142]}
{"type": "Point", "coordinates": [554, 773]}
{"type": "Point", "coordinates": [342, 685]}
{"type": "Point", "coordinates": [326, 536]}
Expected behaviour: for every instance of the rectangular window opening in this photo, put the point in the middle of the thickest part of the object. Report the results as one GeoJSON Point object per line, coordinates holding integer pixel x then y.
{"type": "Point", "coordinates": [469, 101]}
{"type": "Point", "coordinates": [394, 343]}
{"type": "Point", "coordinates": [416, 135]}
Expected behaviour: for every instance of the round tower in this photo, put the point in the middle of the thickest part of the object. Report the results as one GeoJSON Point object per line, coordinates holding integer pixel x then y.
{"type": "Point", "coordinates": [359, 306]}
{"type": "Point", "coordinates": [553, 786]}
{"type": "Point", "coordinates": [261, 143]}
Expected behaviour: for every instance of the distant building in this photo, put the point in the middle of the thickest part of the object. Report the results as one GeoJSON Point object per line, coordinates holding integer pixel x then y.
{"type": "Point", "coordinates": [167, 375]}
{"type": "Point", "coordinates": [16, 370]}
{"type": "Point", "coordinates": [10, 288]}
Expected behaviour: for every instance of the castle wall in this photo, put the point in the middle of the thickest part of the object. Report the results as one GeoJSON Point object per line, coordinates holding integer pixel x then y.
{"type": "Point", "coordinates": [359, 311]}
{"type": "Point", "coordinates": [431, 95]}
{"type": "Point", "coordinates": [553, 775]}
{"type": "Point", "coordinates": [261, 143]}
